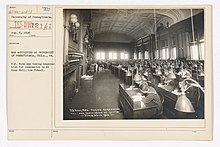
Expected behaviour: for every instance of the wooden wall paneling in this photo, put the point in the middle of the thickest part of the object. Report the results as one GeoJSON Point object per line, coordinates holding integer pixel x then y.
{"type": "Point", "coordinates": [153, 46]}
{"type": "Point", "coordinates": [184, 44]}
{"type": "Point", "coordinates": [177, 45]}
{"type": "Point", "coordinates": [65, 38]}
{"type": "Point", "coordinates": [169, 42]}
{"type": "Point", "coordinates": [181, 34]}
{"type": "Point", "coordinates": [187, 46]}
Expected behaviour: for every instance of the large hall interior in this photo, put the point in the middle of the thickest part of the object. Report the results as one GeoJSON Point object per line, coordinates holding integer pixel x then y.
{"type": "Point", "coordinates": [133, 64]}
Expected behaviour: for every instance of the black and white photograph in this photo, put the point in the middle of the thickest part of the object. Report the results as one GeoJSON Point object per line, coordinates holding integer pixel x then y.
{"type": "Point", "coordinates": [133, 64]}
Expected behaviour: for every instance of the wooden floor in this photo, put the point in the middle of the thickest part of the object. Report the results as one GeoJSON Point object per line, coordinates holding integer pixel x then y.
{"type": "Point", "coordinates": [96, 99]}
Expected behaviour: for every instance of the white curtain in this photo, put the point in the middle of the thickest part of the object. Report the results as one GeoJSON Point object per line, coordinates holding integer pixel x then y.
{"type": "Point", "coordinates": [173, 53]}
{"type": "Point", "coordinates": [110, 56]}
{"type": "Point", "coordinates": [146, 56]}
{"type": "Point", "coordinates": [98, 56]}
{"type": "Point", "coordinates": [114, 56]}
{"type": "Point", "coordinates": [135, 55]}
{"type": "Point", "coordinates": [102, 55]}
{"type": "Point", "coordinates": [194, 52]}
{"type": "Point", "coordinates": [202, 50]}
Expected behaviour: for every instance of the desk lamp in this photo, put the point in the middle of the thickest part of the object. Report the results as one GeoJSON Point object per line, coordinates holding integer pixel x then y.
{"type": "Point", "coordinates": [128, 73]}
{"type": "Point", "coordinates": [146, 72]}
{"type": "Point", "coordinates": [201, 70]}
{"type": "Point", "coordinates": [166, 72]}
{"type": "Point", "coordinates": [158, 71]}
{"type": "Point", "coordinates": [183, 104]}
{"type": "Point", "coordinates": [184, 73]}
{"type": "Point", "coordinates": [171, 74]}
{"type": "Point", "coordinates": [137, 77]}
{"type": "Point", "coordinates": [132, 76]}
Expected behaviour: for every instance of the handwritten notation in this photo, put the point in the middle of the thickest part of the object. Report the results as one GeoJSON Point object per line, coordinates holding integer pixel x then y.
{"type": "Point", "coordinates": [34, 21]}
{"type": "Point", "coordinates": [20, 12]}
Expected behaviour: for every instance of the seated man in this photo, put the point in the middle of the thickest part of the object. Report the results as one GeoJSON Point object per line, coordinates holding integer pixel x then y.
{"type": "Point", "coordinates": [151, 95]}
{"type": "Point", "coordinates": [184, 73]}
{"type": "Point", "coordinates": [169, 81]}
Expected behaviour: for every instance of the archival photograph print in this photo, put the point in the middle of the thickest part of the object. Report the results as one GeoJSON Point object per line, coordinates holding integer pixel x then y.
{"type": "Point", "coordinates": [133, 64]}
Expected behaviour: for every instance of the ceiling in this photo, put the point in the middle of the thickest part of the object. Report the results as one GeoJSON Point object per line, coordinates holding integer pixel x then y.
{"type": "Point", "coordinates": [135, 23]}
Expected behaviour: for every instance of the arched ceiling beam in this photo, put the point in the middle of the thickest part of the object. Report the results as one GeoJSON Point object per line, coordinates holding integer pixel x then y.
{"type": "Point", "coordinates": [132, 21]}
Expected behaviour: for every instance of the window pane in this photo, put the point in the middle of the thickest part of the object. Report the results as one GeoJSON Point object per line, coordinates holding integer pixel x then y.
{"type": "Point", "coordinates": [146, 55]}
{"type": "Point", "coordinates": [163, 56]}
{"type": "Point", "coordinates": [167, 53]}
{"type": "Point", "coordinates": [110, 56]}
{"type": "Point", "coordinates": [194, 52]}
{"type": "Point", "coordinates": [140, 55]}
{"type": "Point", "coordinates": [202, 51]}
{"type": "Point", "coordinates": [157, 54]}
{"type": "Point", "coordinates": [126, 56]}
{"type": "Point", "coordinates": [173, 53]}
{"type": "Point", "coordinates": [122, 56]}
{"type": "Point", "coordinates": [135, 55]}
{"type": "Point", "coordinates": [114, 55]}
{"type": "Point", "coordinates": [102, 55]}
{"type": "Point", "coordinates": [98, 57]}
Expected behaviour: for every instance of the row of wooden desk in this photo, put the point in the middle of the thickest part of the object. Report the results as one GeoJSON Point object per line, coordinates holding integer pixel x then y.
{"type": "Point", "coordinates": [149, 111]}
{"type": "Point", "coordinates": [133, 108]}
{"type": "Point", "coordinates": [120, 73]}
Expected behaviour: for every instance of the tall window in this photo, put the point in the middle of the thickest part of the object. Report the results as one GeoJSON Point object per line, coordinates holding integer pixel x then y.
{"type": "Point", "coordinates": [173, 53]}
{"type": "Point", "coordinates": [135, 55]}
{"type": "Point", "coordinates": [146, 56]}
{"type": "Point", "coordinates": [167, 53]}
{"type": "Point", "coordinates": [122, 55]}
{"type": "Point", "coordinates": [102, 56]}
{"type": "Point", "coordinates": [156, 54]}
{"type": "Point", "coordinates": [163, 53]}
{"type": "Point", "coordinates": [110, 57]}
{"type": "Point", "coordinates": [98, 56]}
{"type": "Point", "coordinates": [194, 52]}
{"type": "Point", "coordinates": [202, 51]}
{"type": "Point", "coordinates": [126, 55]}
{"type": "Point", "coordinates": [140, 56]}
{"type": "Point", "coordinates": [114, 56]}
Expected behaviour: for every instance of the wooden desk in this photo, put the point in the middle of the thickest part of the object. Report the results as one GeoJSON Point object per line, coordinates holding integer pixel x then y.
{"type": "Point", "coordinates": [111, 68]}
{"type": "Point", "coordinates": [86, 83]}
{"type": "Point", "coordinates": [116, 71]}
{"type": "Point", "coordinates": [201, 80]}
{"type": "Point", "coordinates": [122, 74]}
{"type": "Point", "coordinates": [133, 109]}
{"type": "Point", "coordinates": [156, 78]}
{"type": "Point", "coordinates": [119, 72]}
{"type": "Point", "coordinates": [170, 99]}
{"type": "Point", "coordinates": [93, 67]}
{"type": "Point", "coordinates": [169, 102]}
